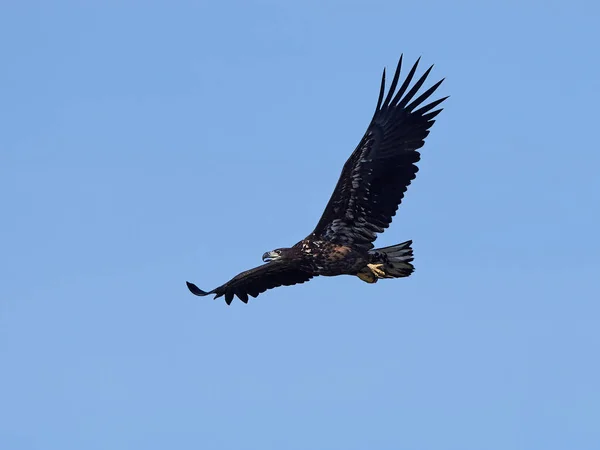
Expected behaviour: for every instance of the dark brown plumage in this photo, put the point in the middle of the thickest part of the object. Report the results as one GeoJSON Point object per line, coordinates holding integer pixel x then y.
{"type": "Point", "coordinates": [366, 197]}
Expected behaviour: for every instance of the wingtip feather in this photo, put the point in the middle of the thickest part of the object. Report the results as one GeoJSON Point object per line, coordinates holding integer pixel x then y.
{"type": "Point", "coordinates": [381, 91]}
{"type": "Point", "coordinates": [392, 88]}
{"type": "Point", "coordinates": [196, 290]}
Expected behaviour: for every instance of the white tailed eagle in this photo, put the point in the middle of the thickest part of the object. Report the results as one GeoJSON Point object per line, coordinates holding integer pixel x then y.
{"type": "Point", "coordinates": [367, 195]}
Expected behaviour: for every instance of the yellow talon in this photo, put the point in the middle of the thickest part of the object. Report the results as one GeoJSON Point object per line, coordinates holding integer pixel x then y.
{"type": "Point", "coordinates": [375, 268]}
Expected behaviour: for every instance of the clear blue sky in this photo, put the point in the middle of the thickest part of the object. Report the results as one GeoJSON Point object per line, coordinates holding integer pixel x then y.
{"type": "Point", "coordinates": [144, 144]}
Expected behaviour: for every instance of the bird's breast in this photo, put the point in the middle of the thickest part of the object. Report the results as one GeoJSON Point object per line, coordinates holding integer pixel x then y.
{"type": "Point", "coordinates": [332, 259]}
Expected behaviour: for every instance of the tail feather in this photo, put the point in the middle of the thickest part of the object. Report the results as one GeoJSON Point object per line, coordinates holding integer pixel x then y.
{"type": "Point", "coordinates": [396, 259]}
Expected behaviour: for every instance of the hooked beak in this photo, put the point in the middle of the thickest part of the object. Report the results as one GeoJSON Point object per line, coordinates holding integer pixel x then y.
{"type": "Point", "coordinates": [269, 256]}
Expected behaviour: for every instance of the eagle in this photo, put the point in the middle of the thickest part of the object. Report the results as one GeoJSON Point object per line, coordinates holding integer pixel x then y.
{"type": "Point", "coordinates": [367, 195]}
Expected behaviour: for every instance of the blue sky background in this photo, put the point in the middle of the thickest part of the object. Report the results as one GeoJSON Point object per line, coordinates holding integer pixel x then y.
{"type": "Point", "coordinates": [144, 144]}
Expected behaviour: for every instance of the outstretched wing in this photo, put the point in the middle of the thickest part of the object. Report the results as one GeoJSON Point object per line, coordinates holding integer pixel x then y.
{"type": "Point", "coordinates": [377, 174]}
{"type": "Point", "coordinates": [255, 281]}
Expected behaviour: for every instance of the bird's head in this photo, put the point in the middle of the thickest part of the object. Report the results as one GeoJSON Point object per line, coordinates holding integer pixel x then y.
{"type": "Point", "coordinates": [274, 255]}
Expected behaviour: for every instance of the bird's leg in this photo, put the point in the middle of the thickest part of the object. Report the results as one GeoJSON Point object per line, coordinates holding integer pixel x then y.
{"type": "Point", "coordinates": [375, 268]}
{"type": "Point", "coordinates": [367, 276]}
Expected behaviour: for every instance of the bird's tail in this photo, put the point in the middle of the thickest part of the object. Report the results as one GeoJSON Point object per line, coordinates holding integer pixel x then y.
{"type": "Point", "coordinates": [396, 259]}
{"type": "Point", "coordinates": [389, 262]}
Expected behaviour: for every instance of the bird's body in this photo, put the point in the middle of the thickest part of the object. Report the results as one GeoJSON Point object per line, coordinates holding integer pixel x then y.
{"type": "Point", "coordinates": [329, 259]}
{"type": "Point", "coordinates": [367, 195]}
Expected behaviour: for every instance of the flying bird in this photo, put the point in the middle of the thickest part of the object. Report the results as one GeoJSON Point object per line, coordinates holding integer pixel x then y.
{"type": "Point", "coordinates": [366, 197]}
